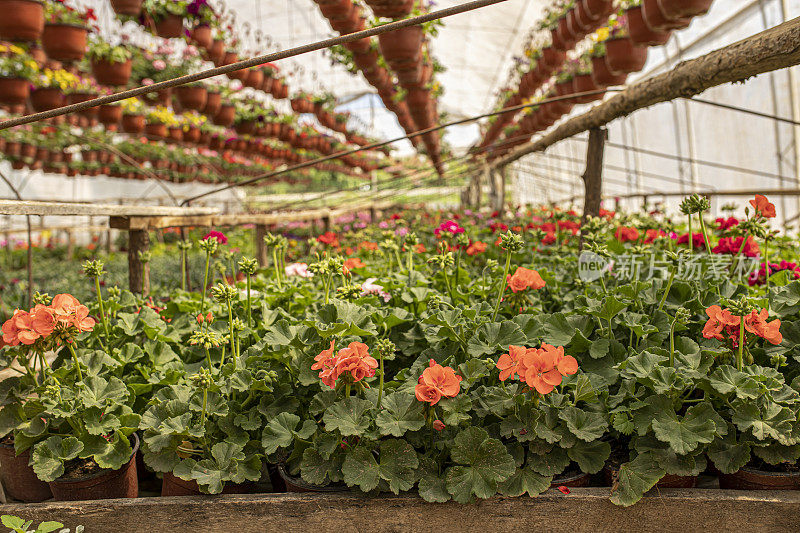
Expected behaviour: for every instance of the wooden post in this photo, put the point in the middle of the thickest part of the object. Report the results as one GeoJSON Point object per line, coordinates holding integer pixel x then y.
{"type": "Point", "coordinates": [261, 247]}
{"type": "Point", "coordinates": [373, 214]}
{"type": "Point", "coordinates": [497, 179]}
{"type": "Point", "coordinates": [70, 245]}
{"type": "Point", "coordinates": [109, 245]}
{"type": "Point", "coordinates": [326, 222]}
{"type": "Point", "coordinates": [138, 241]}
{"type": "Point", "coordinates": [593, 177]}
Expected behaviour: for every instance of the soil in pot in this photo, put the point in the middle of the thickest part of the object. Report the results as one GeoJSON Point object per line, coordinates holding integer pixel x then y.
{"type": "Point", "coordinates": [296, 484]}
{"type": "Point", "coordinates": [22, 20]}
{"type": "Point", "coordinates": [111, 73]}
{"type": "Point", "coordinates": [64, 42]}
{"type": "Point", "coordinates": [624, 57]}
{"type": "Point", "coordinates": [84, 480]}
{"type": "Point", "coordinates": [131, 8]}
{"type": "Point", "coordinates": [175, 486]}
{"type": "Point", "coordinates": [641, 33]}
{"type": "Point", "coordinates": [18, 479]}
{"type": "Point", "coordinates": [758, 475]}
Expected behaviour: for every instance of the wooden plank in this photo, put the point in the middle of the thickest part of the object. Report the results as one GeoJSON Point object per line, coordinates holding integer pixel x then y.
{"type": "Point", "coordinates": [7, 232]}
{"type": "Point", "coordinates": [583, 510]}
{"type": "Point", "coordinates": [773, 49]}
{"type": "Point", "coordinates": [16, 207]}
{"type": "Point", "coordinates": [138, 273]}
{"type": "Point", "coordinates": [593, 177]}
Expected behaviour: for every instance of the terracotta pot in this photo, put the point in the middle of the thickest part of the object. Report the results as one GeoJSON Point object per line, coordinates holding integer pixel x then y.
{"type": "Point", "coordinates": [597, 9]}
{"type": "Point", "coordinates": [335, 8]}
{"type": "Point", "coordinates": [604, 77]}
{"type": "Point", "coordinates": [106, 484]}
{"type": "Point", "coordinates": [246, 127]}
{"type": "Point", "coordinates": [749, 478]}
{"type": "Point", "coordinates": [213, 104]}
{"type": "Point", "coordinates": [225, 116]}
{"type": "Point", "coordinates": [156, 130]}
{"type": "Point", "coordinates": [64, 42]}
{"type": "Point", "coordinates": [575, 480]}
{"type": "Point", "coordinates": [401, 46]}
{"type": "Point", "coordinates": [674, 9]}
{"type": "Point", "coordinates": [553, 58]}
{"type": "Point", "coordinates": [640, 33]}
{"type": "Point", "coordinates": [191, 135]}
{"type": "Point", "coordinates": [192, 96]}
{"type": "Point", "coordinates": [216, 52]}
{"type": "Point", "coordinates": [109, 114]}
{"type": "Point", "coordinates": [656, 20]}
{"type": "Point", "coordinates": [131, 8]}
{"type": "Point", "coordinates": [46, 98]}
{"type": "Point", "coordinates": [255, 78]}
{"type": "Point", "coordinates": [391, 9]}
{"type": "Point", "coordinates": [361, 46]}
{"type": "Point", "coordinates": [175, 133]}
{"type": "Point", "coordinates": [110, 73]}
{"type": "Point", "coordinates": [565, 34]}
{"type": "Point", "coordinates": [175, 486]}
{"type": "Point", "coordinates": [75, 98]}
{"type": "Point", "coordinates": [564, 89]}
{"type": "Point", "coordinates": [296, 484]}
{"type": "Point", "coordinates": [18, 479]}
{"type": "Point", "coordinates": [202, 36]}
{"type": "Point", "coordinates": [22, 20]}
{"type": "Point", "coordinates": [170, 27]}
{"type": "Point", "coordinates": [624, 57]}
{"type": "Point", "coordinates": [585, 83]}
{"type": "Point", "coordinates": [14, 91]}
{"type": "Point", "coordinates": [669, 481]}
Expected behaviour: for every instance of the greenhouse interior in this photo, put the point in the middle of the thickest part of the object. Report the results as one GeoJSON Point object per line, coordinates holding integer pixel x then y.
{"type": "Point", "coordinates": [399, 265]}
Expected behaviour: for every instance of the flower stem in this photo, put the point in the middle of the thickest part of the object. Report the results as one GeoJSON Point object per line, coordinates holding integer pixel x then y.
{"type": "Point", "coordinates": [205, 284]}
{"type": "Point", "coordinates": [766, 268]}
{"type": "Point", "coordinates": [740, 352]}
{"type": "Point", "coordinates": [102, 310]}
{"type": "Point", "coordinates": [203, 413]}
{"type": "Point", "coordinates": [380, 382]}
{"type": "Point", "coordinates": [75, 359]}
{"type": "Point", "coordinates": [503, 284]}
{"type": "Point", "coordinates": [691, 236]}
{"type": "Point", "coordinates": [230, 332]}
{"type": "Point", "coordinates": [249, 310]}
{"type": "Point", "coordinates": [277, 270]}
{"type": "Point", "coordinates": [183, 270]}
{"type": "Point", "coordinates": [667, 288]}
{"type": "Point", "coordinates": [705, 233]}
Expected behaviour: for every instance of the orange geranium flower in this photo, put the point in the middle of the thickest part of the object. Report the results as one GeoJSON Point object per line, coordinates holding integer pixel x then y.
{"type": "Point", "coordinates": [43, 320]}
{"type": "Point", "coordinates": [420, 248]}
{"type": "Point", "coordinates": [354, 362]}
{"type": "Point", "coordinates": [756, 323]}
{"type": "Point", "coordinates": [763, 206]}
{"type": "Point", "coordinates": [437, 381]}
{"type": "Point", "coordinates": [718, 320]}
{"type": "Point", "coordinates": [524, 278]}
{"type": "Point", "coordinates": [511, 363]}
{"type": "Point", "coordinates": [476, 248]}
{"type": "Point", "coordinates": [541, 368]}
{"type": "Point", "coordinates": [351, 263]}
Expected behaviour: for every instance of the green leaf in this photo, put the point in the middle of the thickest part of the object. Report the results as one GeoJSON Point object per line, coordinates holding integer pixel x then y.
{"type": "Point", "coordinates": [590, 456]}
{"type": "Point", "coordinates": [432, 487]}
{"type": "Point", "coordinates": [456, 410]}
{"type": "Point", "coordinates": [634, 479]}
{"type": "Point", "coordinates": [557, 330]}
{"type": "Point", "coordinates": [361, 469]}
{"type": "Point", "coordinates": [48, 457]}
{"type": "Point", "coordinates": [97, 392]}
{"type": "Point", "coordinates": [726, 379]}
{"type": "Point", "coordinates": [775, 453]}
{"type": "Point", "coordinates": [493, 337]}
{"type": "Point", "coordinates": [585, 425]}
{"type": "Point", "coordinates": [116, 454]}
{"type": "Point", "coordinates": [684, 434]}
{"type": "Point", "coordinates": [348, 416]}
{"type": "Point", "coordinates": [769, 420]}
{"type": "Point", "coordinates": [525, 481]}
{"type": "Point", "coordinates": [728, 455]}
{"type": "Point", "coordinates": [400, 412]}
{"type": "Point", "coordinates": [482, 463]}
{"type": "Point", "coordinates": [549, 461]}
{"type": "Point", "coordinates": [281, 431]}
{"type": "Point", "coordinates": [316, 469]}
{"type": "Point", "coordinates": [398, 464]}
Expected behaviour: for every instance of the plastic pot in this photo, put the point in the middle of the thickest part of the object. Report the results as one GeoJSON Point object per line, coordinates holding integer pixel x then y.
{"type": "Point", "coordinates": [106, 484]}
{"type": "Point", "coordinates": [225, 116]}
{"type": "Point", "coordinates": [109, 115]}
{"type": "Point", "coordinates": [579, 479]}
{"type": "Point", "coordinates": [749, 478]}
{"type": "Point", "coordinates": [192, 96]}
{"type": "Point", "coordinates": [175, 486]}
{"type": "Point", "coordinates": [604, 77]}
{"type": "Point", "coordinates": [255, 78]}
{"type": "Point", "coordinates": [296, 484]}
{"type": "Point", "coordinates": [597, 9]}
{"type": "Point", "coordinates": [401, 46]}
{"type": "Point", "coordinates": [111, 73]}
{"type": "Point", "coordinates": [170, 27]}
{"type": "Point", "coordinates": [675, 9]}
{"type": "Point", "coordinates": [46, 98]}
{"type": "Point", "coordinates": [216, 52]}
{"type": "Point", "coordinates": [131, 8]}
{"type": "Point", "coordinates": [640, 32]}
{"type": "Point", "coordinates": [64, 42]}
{"type": "Point", "coordinates": [656, 20]}
{"type": "Point", "coordinates": [245, 127]}
{"type": "Point", "coordinates": [213, 104]}
{"type": "Point", "coordinates": [19, 480]}
{"type": "Point", "coordinates": [14, 91]}
{"type": "Point", "coordinates": [22, 20]}
{"type": "Point", "coordinates": [669, 481]}
{"type": "Point", "coordinates": [175, 134]}
{"type": "Point", "coordinates": [202, 36]}
{"type": "Point", "coordinates": [583, 83]}
{"type": "Point", "coordinates": [625, 57]}
{"type": "Point", "coordinates": [133, 124]}
{"type": "Point", "coordinates": [553, 58]}
{"type": "Point", "coordinates": [157, 130]}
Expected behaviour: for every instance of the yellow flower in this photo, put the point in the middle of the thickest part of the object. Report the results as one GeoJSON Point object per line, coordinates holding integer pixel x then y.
{"type": "Point", "coordinates": [16, 49]}
{"type": "Point", "coordinates": [602, 34]}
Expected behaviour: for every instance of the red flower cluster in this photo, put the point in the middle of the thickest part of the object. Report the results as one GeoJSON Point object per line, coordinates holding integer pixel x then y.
{"type": "Point", "coordinates": [729, 245]}
{"type": "Point", "coordinates": [476, 248]}
{"type": "Point", "coordinates": [541, 368]}
{"type": "Point", "coordinates": [353, 362]}
{"type": "Point", "coordinates": [524, 278]}
{"type": "Point", "coordinates": [329, 238]}
{"type": "Point", "coordinates": [65, 315]}
{"type": "Point", "coordinates": [437, 381]}
{"type": "Point", "coordinates": [759, 277]}
{"type": "Point", "coordinates": [451, 226]}
{"type": "Point", "coordinates": [626, 234]}
{"type": "Point", "coordinates": [763, 206]}
{"type": "Point", "coordinates": [723, 321]}
{"type": "Point", "coordinates": [697, 240]}
{"type": "Point", "coordinates": [221, 238]}
{"type": "Point", "coordinates": [724, 224]}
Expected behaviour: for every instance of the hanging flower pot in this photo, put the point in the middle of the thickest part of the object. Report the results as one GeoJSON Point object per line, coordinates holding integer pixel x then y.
{"type": "Point", "coordinates": [597, 9]}
{"type": "Point", "coordinates": [192, 134]}
{"type": "Point", "coordinates": [192, 97]}
{"type": "Point", "coordinates": [22, 20]}
{"type": "Point", "coordinates": [604, 77]}
{"type": "Point", "coordinates": [361, 46]}
{"type": "Point", "coordinates": [624, 57]}
{"type": "Point", "coordinates": [255, 78]}
{"type": "Point", "coordinates": [113, 73]}
{"type": "Point", "coordinates": [225, 116]}
{"type": "Point", "coordinates": [216, 52]}
{"type": "Point", "coordinates": [14, 91]}
{"type": "Point", "coordinates": [656, 20]}
{"type": "Point", "coordinates": [401, 46]}
{"type": "Point", "coordinates": [77, 98]}
{"type": "Point", "coordinates": [156, 130]}
{"type": "Point", "coordinates": [133, 124]}
{"type": "Point", "coordinates": [674, 9]}
{"type": "Point", "coordinates": [105, 484]}
{"type": "Point", "coordinates": [584, 83]}
{"type": "Point", "coordinates": [65, 42]}
{"type": "Point", "coordinates": [568, 39]}
{"type": "Point", "coordinates": [202, 36]}
{"type": "Point", "coordinates": [130, 8]}
{"type": "Point", "coordinates": [109, 115]}
{"type": "Point", "coordinates": [553, 57]}
{"type": "Point", "coordinates": [170, 26]}
{"type": "Point", "coordinates": [750, 478]}
{"type": "Point", "coordinates": [335, 8]}
{"type": "Point", "coordinates": [584, 20]}
{"type": "Point", "coordinates": [213, 104]}
{"type": "Point", "coordinates": [558, 43]}
{"type": "Point", "coordinates": [640, 33]}
{"type": "Point", "coordinates": [18, 478]}
{"type": "Point", "coordinates": [245, 127]}
{"type": "Point", "coordinates": [46, 98]}
{"type": "Point", "coordinates": [410, 77]}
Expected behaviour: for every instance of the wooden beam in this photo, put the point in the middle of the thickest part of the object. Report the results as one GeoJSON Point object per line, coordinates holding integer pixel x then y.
{"type": "Point", "coordinates": [17, 207]}
{"type": "Point", "coordinates": [138, 277]}
{"type": "Point", "coordinates": [773, 49]}
{"type": "Point", "coordinates": [593, 177]}
{"type": "Point", "coordinates": [583, 510]}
